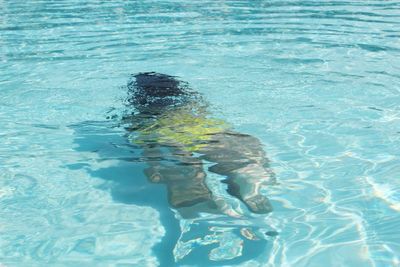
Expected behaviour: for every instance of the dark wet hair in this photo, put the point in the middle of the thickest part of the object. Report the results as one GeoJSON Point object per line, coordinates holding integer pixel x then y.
{"type": "Point", "coordinates": [151, 90]}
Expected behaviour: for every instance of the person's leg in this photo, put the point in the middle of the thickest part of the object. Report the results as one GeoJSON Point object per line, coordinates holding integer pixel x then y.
{"type": "Point", "coordinates": [182, 173]}
{"type": "Point", "coordinates": [242, 160]}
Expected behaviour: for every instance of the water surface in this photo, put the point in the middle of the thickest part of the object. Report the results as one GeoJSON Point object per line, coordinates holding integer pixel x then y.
{"type": "Point", "coordinates": [316, 81]}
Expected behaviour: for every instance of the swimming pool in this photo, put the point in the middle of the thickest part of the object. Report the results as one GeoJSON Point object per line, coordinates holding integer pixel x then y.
{"type": "Point", "coordinates": [316, 81]}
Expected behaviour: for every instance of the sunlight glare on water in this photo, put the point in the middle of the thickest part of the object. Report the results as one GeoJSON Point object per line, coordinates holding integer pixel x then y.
{"type": "Point", "coordinates": [316, 81]}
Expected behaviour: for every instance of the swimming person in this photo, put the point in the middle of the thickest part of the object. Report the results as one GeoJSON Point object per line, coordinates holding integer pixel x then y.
{"type": "Point", "coordinates": [182, 144]}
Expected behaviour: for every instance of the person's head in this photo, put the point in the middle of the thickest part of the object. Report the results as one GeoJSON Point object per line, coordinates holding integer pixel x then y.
{"type": "Point", "coordinates": [151, 91]}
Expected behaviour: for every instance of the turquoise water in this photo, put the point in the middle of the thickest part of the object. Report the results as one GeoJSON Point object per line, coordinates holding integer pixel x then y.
{"type": "Point", "coordinates": [316, 81]}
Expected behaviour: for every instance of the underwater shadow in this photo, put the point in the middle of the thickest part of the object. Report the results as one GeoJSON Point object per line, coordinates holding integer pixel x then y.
{"type": "Point", "coordinates": [202, 176]}
{"type": "Point", "coordinates": [128, 182]}
{"type": "Point", "coordinates": [129, 185]}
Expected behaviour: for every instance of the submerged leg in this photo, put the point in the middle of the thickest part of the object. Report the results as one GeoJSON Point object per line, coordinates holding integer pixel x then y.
{"type": "Point", "coordinates": [245, 184]}
{"type": "Point", "coordinates": [182, 173]}
{"type": "Point", "coordinates": [242, 160]}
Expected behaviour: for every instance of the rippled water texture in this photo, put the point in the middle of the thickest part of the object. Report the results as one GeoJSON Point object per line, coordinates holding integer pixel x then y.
{"type": "Point", "coordinates": [316, 81]}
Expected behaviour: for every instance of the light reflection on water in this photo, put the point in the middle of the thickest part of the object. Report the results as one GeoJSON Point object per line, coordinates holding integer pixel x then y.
{"type": "Point", "coordinates": [316, 82]}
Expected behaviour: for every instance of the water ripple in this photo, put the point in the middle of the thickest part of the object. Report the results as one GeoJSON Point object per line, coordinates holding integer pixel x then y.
{"type": "Point", "coordinates": [316, 81]}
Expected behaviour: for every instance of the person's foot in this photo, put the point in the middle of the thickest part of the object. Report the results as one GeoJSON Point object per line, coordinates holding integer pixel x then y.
{"type": "Point", "coordinates": [185, 201]}
{"type": "Point", "coordinates": [258, 204]}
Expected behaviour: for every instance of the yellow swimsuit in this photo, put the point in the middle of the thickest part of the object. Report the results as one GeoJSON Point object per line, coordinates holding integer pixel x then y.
{"type": "Point", "coordinates": [184, 128]}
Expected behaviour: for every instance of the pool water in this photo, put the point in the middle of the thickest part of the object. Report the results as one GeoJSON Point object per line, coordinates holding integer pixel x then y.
{"type": "Point", "coordinates": [316, 81]}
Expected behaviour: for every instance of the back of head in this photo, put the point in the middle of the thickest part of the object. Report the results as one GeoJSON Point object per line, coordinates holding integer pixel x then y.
{"type": "Point", "coordinates": [158, 85]}
{"type": "Point", "coordinates": [154, 91]}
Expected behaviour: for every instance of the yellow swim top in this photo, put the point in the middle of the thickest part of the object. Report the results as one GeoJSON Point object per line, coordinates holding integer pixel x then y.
{"type": "Point", "coordinates": [184, 128]}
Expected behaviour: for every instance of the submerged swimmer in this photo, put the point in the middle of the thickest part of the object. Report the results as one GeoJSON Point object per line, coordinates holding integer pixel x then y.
{"type": "Point", "coordinates": [180, 140]}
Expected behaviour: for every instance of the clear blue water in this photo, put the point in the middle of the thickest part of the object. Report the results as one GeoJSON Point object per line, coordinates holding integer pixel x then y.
{"type": "Point", "coordinates": [316, 81]}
